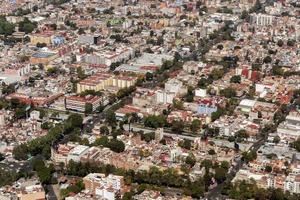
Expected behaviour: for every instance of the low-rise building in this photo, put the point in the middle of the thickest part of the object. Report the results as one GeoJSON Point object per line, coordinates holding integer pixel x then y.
{"type": "Point", "coordinates": [108, 187]}
{"type": "Point", "coordinates": [80, 103]}
{"type": "Point", "coordinates": [76, 153]}
{"type": "Point", "coordinates": [33, 192]}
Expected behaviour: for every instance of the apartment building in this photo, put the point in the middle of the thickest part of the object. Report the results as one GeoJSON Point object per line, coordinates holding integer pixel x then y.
{"type": "Point", "coordinates": [104, 186]}
{"type": "Point", "coordinates": [292, 184]}
{"type": "Point", "coordinates": [95, 82]}
{"type": "Point", "coordinates": [260, 19]}
{"type": "Point", "coordinates": [164, 97]}
{"type": "Point", "coordinates": [79, 103]}
{"type": "Point", "coordinates": [290, 128]}
{"type": "Point", "coordinates": [108, 57]}
{"type": "Point", "coordinates": [102, 81]}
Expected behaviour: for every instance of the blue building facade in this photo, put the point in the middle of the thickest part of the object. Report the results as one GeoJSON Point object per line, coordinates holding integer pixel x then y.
{"type": "Point", "coordinates": [58, 40]}
{"type": "Point", "coordinates": [206, 109]}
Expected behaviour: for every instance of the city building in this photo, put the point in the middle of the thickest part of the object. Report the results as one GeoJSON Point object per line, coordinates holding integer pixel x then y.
{"type": "Point", "coordinates": [81, 103]}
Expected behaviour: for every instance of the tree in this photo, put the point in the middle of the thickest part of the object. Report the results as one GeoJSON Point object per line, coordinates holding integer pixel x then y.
{"type": "Point", "coordinates": [280, 43]}
{"type": "Point", "coordinates": [291, 42]}
{"type": "Point", "coordinates": [154, 121]}
{"type": "Point", "coordinates": [216, 115]}
{"type": "Point", "coordinates": [276, 139]}
{"type": "Point", "coordinates": [104, 130]}
{"type": "Point", "coordinates": [296, 144]}
{"type": "Point", "coordinates": [177, 104]}
{"type": "Point", "coordinates": [235, 79]}
{"type": "Point", "coordinates": [93, 29]}
{"type": "Point", "coordinates": [148, 136]}
{"type": "Point", "coordinates": [267, 59]}
{"type": "Point", "coordinates": [186, 144]}
{"type": "Point", "coordinates": [27, 26]}
{"type": "Point", "coordinates": [190, 160]}
{"type": "Point", "coordinates": [228, 92]}
{"type": "Point", "coordinates": [20, 112]}
{"type": "Point", "coordinates": [53, 26]}
{"type": "Point", "coordinates": [195, 125]}
{"type": "Point", "coordinates": [277, 70]}
{"type": "Point", "coordinates": [75, 120]}
{"type": "Point", "coordinates": [177, 126]}
{"type": "Point", "coordinates": [190, 94]}
{"type": "Point", "coordinates": [6, 28]}
{"type": "Point", "coordinates": [44, 174]}
{"type": "Point", "coordinates": [220, 46]}
{"type": "Point", "coordinates": [220, 174]}
{"type": "Point", "coordinates": [80, 73]}
{"type": "Point", "coordinates": [217, 74]}
{"type": "Point", "coordinates": [88, 108]}
{"type": "Point", "coordinates": [268, 169]}
{"type": "Point", "coordinates": [202, 83]}
{"type": "Point", "coordinates": [211, 152]}
{"type": "Point", "coordinates": [207, 164]}
{"type": "Point", "coordinates": [149, 76]}
{"type": "Point", "coordinates": [110, 118]}
{"type": "Point", "coordinates": [117, 145]}
{"type": "Point", "coordinates": [249, 156]}
{"type": "Point", "coordinates": [41, 45]}
{"type": "Point", "coordinates": [151, 33]}
{"type": "Point", "coordinates": [242, 134]}
{"type": "Point", "coordinates": [2, 157]}
{"type": "Point", "coordinates": [103, 141]}
{"type": "Point", "coordinates": [20, 152]}
{"type": "Point", "coordinates": [245, 15]}
{"type": "Point", "coordinates": [81, 31]}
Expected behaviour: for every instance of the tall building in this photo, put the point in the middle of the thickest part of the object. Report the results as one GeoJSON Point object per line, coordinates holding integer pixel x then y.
{"type": "Point", "coordinates": [261, 19]}
{"type": "Point", "coordinates": [292, 184]}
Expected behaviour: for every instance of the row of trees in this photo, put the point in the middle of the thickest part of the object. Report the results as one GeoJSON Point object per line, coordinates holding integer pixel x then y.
{"type": "Point", "coordinates": [244, 190]}
{"type": "Point", "coordinates": [114, 144]}
{"type": "Point", "coordinates": [177, 126]}
{"type": "Point", "coordinates": [154, 177]}
{"type": "Point", "coordinates": [42, 145]}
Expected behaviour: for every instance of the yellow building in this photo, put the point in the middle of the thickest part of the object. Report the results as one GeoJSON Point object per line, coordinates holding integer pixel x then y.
{"type": "Point", "coordinates": [123, 81]}
{"type": "Point", "coordinates": [95, 82]}
{"type": "Point", "coordinates": [45, 37]}
{"type": "Point", "coordinates": [99, 82]}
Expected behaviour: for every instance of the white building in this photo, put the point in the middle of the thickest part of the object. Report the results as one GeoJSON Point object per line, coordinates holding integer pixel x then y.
{"type": "Point", "coordinates": [290, 128]}
{"type": "Point", "coordinates": [76, 153]}
{"type": "Point", "coordinates": [263, 89]}
{"type": "Point", "coordinates": [2, 118]}
{"type": "Point", "coordinates": [292, 184]}
{"type": "Point", "coordinates": [164, 97]}
{"type": "Point", "coordinates": [261, 19]}
{"type": "Point", "coordinates": [200, 92]}
{"type": "Point", "coordinates": [173, 85]}
{"type": "Point", "coordinates": [104, 186]}
{"type": "Point", "coordinates": [246, 105]}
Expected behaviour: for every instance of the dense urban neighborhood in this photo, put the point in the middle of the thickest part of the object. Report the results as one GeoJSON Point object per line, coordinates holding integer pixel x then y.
{"type": "Point", "coordinates": [149, 99]}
